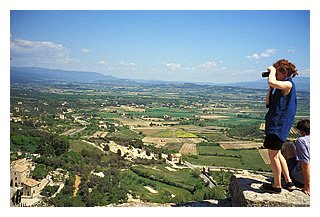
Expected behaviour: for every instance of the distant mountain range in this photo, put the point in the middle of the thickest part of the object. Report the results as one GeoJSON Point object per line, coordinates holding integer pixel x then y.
{"type": "Point", "coordinates": [302, 84]}
{"type": "Point", "coordinates": [36, 74]}
{"type": "Point", "coordinates": [40, 74]}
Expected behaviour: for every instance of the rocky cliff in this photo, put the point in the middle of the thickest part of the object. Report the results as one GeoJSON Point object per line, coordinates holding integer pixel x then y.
{"type": "Point", "coordinates": [245, 190]}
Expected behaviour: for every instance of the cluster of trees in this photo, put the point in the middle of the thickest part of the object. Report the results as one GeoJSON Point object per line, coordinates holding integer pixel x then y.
{"type": "Point", "coordinates": [40, 172]}
{"type": "Point", "coordinates": [29, 139]}
{"type": "Point", "coordinates": [197, 192]}
{"type": "Point", "coordinates": [52, 145]}
{"type": "Point", "coordinates": [16, 198]}
{"type": "Point", "coordinates": [161, 178]}
{"type": "Point", "coordinates": [93, 190]}
{"type": "Point", "coordinates": [247, 131]}
{"type": "Point", "coordinates": [48, 191]}
{"type": "Point", "coordinates": [221, 155]}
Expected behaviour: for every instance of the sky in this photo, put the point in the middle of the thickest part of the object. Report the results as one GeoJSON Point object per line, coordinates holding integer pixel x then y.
{"type": "Point", "coordinates": [173, 45]}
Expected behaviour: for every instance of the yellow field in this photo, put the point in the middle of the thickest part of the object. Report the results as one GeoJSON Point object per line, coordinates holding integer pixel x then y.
{"type": "Point", "coordinates": [240, 144]}
{"type": "Point", "coordinates": [160, 142]}
{"type": "Point", "coordinates": [188, 148]}
{"type": "Point", "coordinates": [213, 117]}
{"type": "Point", "coordinates": [264, 155]}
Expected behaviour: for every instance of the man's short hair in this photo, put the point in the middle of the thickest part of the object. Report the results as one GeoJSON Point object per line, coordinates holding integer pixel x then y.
{"type": "Point", "coordinates": [304, 125]}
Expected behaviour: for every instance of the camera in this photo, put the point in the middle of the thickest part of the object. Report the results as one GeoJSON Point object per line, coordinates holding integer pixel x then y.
{"type": "Point", "coordinates": [265, 74]}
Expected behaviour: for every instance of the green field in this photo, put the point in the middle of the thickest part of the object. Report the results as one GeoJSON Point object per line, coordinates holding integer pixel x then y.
{"type": "Point", "coordinates": [172, 112]}
{"type": "Point", "coordinates": [171, 133]}
{"type": "Point", "coordinates": [217, 156]}
{"type": "Point", "coordinates": [171, 186]}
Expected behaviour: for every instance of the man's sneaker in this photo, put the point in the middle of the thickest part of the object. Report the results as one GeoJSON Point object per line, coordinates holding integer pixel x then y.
{"type": "Point", "coordinates": [290, 186]}
{"type": "Point", "coordinates": [270, 189]}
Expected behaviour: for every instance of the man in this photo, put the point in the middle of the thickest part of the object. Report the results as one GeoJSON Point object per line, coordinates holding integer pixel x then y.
{"type": "Point", "coordinates": [282, 103]}
{"type": "Point", "coordinates": [298, 157]}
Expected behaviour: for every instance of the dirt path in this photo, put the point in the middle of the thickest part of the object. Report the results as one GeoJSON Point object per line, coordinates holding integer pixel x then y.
{"type": "Point", "coordinates": [151, 190]}
{"type": "Point", "coordinates": [76, 185]}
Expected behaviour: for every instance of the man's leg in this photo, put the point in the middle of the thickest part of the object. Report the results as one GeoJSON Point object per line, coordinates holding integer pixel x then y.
{"type": "Point", "coordinates": [275, 166]}
{"type": "Point", "coordinates": [284, 167]}
{"type": "Point", "coordinates": [289, 151]}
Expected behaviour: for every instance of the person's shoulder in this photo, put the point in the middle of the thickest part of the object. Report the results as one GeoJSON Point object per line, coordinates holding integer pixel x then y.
{"type": "Point", "coordinates": [303, 140]}
{"type": "Point", "coordinates": [290, 80]}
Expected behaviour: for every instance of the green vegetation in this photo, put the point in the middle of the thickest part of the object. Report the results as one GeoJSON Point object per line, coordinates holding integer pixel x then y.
{"type": "Point", "coordinates": [213, 155]}
{"type": "Point", "coordinates": [179, 133]}
{"type": "Point", "coordinates": [170, 112]}
{"type": "Point", "coordinates": [56, 124]}
{"type": "Point", "coordinates": [40, 172]}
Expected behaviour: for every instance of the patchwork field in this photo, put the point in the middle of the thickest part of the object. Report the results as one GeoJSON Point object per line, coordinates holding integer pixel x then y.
{"type": "Point", "coordinates": [264, 155]}
{"type": "Point", "coordinates": [214, 155]}
{"type": "Point", "coordinates": [160, 142]}
{"type": "Point", "coordinates": [240, 144]}
{"type": "Point", "coordinates": [134, 122]}
{"type": "Point", "coordinates": [188, 148]}
{"type": "Point", "coordinates": [214, 117]}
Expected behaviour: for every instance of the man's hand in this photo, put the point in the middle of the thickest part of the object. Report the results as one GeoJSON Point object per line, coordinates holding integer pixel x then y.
{"type": "Point", "coordinates": [306, 177]}
{"type": "Point", "coordinates": [306, 190]}
{"type": "Point", "coordinates": [272, 69]}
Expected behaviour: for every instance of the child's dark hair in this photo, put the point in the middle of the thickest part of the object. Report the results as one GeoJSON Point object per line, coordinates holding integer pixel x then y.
{"type": "Point", "coordinates": [304, 125]}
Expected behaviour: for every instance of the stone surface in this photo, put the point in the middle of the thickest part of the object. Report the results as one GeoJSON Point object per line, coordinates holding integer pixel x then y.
{"type": "Point", "coordinates": [245, 190]}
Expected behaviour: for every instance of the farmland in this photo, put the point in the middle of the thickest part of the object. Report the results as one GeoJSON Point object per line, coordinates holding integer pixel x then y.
{"type": "Point", "coordinates": [139, 137]}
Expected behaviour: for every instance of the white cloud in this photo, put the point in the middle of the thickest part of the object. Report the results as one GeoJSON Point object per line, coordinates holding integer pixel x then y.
{"type": "Point", "coordinates": [173, 66]}
{"type": "Point", "coordinates": [291, 51]}
{"type": "Point", "coordinates": [253, 56]}
{"type": "Point", "coordinates": [211, 66]}
{"type": "Point", "coordinates": [208, 65]}
{"type": "Point", "coordinates": [122, 66]}
{"type": "Point", "coordinates": [124, 63]}
{"type": "Point", "coordinates": [85, 50]}
{"type": "Point", "coordinates": [268, 52]}
{"type": "Point", "coordinates": [102, 62]}
{"type": "Point", "coordinates": [39, 53]}
{"type": "Point", "coordinates": [265, 54]}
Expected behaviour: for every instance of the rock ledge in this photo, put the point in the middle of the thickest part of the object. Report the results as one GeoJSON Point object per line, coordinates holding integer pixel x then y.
{"type": "Point", "coordinates": [245, 190]}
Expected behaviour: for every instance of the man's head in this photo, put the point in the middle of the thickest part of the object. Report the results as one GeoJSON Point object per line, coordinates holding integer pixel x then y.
{"type": "Point", "coordinates": [285, 69]}
{"type": "Point", "coordinates": [304, 126]}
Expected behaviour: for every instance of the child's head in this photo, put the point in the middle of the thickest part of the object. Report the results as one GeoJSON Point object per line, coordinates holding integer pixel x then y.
{"type": "Point", "coordinates": [286, 68]}
{"type": "Point", "coordinates": [304, 126]}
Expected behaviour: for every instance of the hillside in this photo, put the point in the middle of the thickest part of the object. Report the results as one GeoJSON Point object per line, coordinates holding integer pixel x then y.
{"type": "Point", "coordinates": [23, 74]}
{"type": "Point", "coordinates": [27, 74]}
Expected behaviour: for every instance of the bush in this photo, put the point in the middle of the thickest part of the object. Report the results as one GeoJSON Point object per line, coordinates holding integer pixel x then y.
{"type": "Point", "coordinates": [48, 191]}
{"type": "Point", "coordinates": [216, 193]}
{"type": "Point", "coordinates": [39, 172]}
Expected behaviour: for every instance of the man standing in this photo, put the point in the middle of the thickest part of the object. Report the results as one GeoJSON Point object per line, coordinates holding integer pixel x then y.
{"type": "Point", "coordinates": [282, 103]}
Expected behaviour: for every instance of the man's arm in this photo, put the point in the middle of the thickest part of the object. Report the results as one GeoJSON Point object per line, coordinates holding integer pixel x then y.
{"type": "Point", "coordinates": [285, 86]}
{"type": "Point", "coordinates": [306, 176]}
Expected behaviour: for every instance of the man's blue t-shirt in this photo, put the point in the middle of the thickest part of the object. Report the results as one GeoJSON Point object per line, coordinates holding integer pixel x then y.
{"type": "Point", "coordinates": [282, 109]}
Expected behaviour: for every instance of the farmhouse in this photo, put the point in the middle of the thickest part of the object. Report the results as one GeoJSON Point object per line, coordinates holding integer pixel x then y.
{"type": "Point", "coordinates": [31, 187]}
{"type": "Point", "coordinates": [19, 171]}
{"type": "Point", "coordinates": [19, 177]}
{"type": "Point", "coordinates": [175, 158]}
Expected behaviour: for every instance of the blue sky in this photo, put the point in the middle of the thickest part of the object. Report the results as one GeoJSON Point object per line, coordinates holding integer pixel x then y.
{"type": "Point", "coordinates": [203, 46]}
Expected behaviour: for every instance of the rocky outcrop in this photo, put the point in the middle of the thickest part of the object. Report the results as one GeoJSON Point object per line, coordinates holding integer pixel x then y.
{"type": "Point", "coordinates": [245, 190]}
{"type": "Point", "coordinates": [204, 203]}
